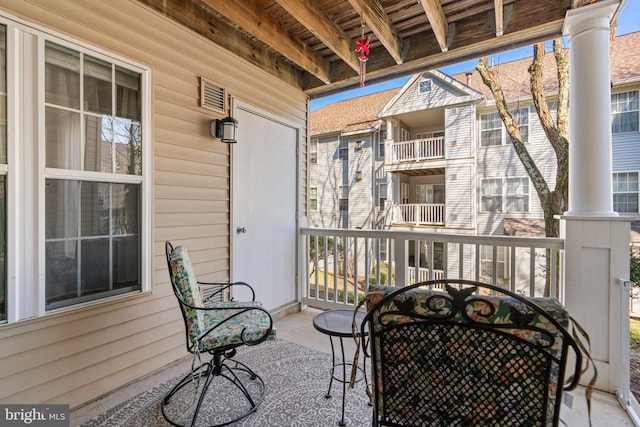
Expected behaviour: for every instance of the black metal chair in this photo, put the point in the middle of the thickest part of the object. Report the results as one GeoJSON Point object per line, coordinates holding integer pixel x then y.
{"type": "Point", "coordinates": [217, 328]}
{"type": "Point", "coordinates": [472, 354]}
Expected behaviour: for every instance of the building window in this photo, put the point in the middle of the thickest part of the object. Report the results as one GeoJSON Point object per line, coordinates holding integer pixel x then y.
{"type": "Point", "coordinates": [91, 180]}
{"type": "Point", "coordinates": [382, 136]}
{"type": "Point", "coordinates": [625, 192]}
{"type": "Point", "coordinates": [93, 244]}
{"type": "Point", "coordinates": [624, 112]}
{"type": "Point", "coordinates": [517, 195]}
{"type": "Point", "coordinates": [490, 129]}
{"type": "Point", "coordinates": [505, 195]}
{"type": "Point", "coordinates": [313, 151]}
{"type": "Point", "coordinates": [425, 86]}
{"type": "Point", "coordinates": [313, 198]}
{"type": "Point", "coordinates": [382, 194]}
{"type": "Point", "coordinates": [491, 195]}
{"type": "Point", "coordinates": [343, 149]}
{"type": "Point", "coordinates": [521, 118]}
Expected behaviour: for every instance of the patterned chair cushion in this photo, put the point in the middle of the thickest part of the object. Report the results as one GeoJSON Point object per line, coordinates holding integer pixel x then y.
{"type": "Point", "coordinates": [401, 353]}
{"type": "Point", "coordinates": [218, 324]}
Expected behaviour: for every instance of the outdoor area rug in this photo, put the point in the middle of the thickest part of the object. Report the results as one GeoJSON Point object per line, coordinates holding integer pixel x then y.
{"type": "Point", "coordinates": [296, 380]}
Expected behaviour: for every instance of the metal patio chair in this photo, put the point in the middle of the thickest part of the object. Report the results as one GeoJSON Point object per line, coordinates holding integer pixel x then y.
{"type": "Point", "coordinates": [468, 354]}
{"type": "Point", "coordinates": [215, 327]}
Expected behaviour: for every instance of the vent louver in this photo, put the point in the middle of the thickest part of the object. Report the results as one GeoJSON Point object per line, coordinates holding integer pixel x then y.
{"type": "Point", "coordinates": [212, 96]}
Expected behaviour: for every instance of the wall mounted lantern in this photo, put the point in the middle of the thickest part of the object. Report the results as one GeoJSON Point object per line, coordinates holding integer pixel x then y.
{"type": "Point", "coordinates": [225, 129]}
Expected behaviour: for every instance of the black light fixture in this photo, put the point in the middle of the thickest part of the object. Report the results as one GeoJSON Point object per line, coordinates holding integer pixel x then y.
{"type": "Point", "coordinates": [225, 129]}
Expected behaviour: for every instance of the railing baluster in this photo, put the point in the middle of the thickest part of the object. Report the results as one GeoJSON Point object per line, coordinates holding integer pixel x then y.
{"type": "Point", "coordinates": [357, 262]}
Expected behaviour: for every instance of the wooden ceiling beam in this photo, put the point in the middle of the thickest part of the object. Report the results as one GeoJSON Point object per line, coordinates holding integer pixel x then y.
{"type": "Point", "coordinates": [499, 12]}
{"type": "Point", "coordinates": [250, 18]}
{"type": "Point", "coordinates": [378, 21]}
{"type": "Point", "coordinates": [437, 19]}
{"type": "Point", "coordinates": [317, 22]}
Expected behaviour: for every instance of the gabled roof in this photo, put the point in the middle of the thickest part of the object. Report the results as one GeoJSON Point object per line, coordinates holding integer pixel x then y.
{"type": "Point", "coordinates": [464, 92]}
{"type": "Point", "coordinates": [350, 115]}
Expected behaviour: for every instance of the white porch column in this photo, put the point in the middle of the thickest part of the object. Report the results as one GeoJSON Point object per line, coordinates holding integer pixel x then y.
{"type": "Point", "coordinates": [596, 239]}
{"type": "Point", "coordinates": [590, 110]}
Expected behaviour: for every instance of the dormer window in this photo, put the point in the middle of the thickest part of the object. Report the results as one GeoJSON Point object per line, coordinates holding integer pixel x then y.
{"type": "Point", "coordinates": [425, 86]}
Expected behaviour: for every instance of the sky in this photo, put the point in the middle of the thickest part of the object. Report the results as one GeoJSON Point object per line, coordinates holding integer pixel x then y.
{"type": "Point", "coordinates": [628, 22]}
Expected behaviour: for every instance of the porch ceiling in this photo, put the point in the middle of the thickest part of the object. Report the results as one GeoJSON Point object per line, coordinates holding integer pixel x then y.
{"type": "Point", "coordinates": [310, 44]}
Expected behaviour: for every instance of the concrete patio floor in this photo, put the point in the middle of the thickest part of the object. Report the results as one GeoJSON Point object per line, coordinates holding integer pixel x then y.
{"type": "Point", "coordinates": [298, 328]}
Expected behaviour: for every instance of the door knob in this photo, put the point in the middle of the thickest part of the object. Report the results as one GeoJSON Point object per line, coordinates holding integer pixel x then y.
{"type": "Point", "coordinates": [241, 230]}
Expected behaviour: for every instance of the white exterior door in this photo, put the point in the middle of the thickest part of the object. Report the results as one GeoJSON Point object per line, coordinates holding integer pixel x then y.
{"type": "Point", "coordinates": [264, 200]}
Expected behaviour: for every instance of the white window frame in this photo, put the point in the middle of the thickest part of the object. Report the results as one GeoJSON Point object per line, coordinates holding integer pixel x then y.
{"type": "Point", "coordinates": [382, 137]}
{"type": "Point", "coordinates": [343, 148]}
{"type": "Point", "coordinates": [524, 195]}
{"type": "Point", "coordinates": [616, 111]}
{"type": "Point", "coordinates": [520, 116]}
{"type": "Point", "coordinates": [27, 173]}
{"type": "Point", "coordinates": [313, 151]}
{"type": "Point", "coordinates": [312, 199]}
{"type": "Point", "coordinates": [382, 194]}
{"type": "Point", "coordinates": [503, 194]}
{"type": "Point", "coordinates": [627, 190]}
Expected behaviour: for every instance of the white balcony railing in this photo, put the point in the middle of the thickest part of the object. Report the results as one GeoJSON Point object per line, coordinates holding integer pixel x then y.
{"type": "Point", "coordinates": [416, 150]}
{"type": "Point", "coordinates": [417, 213]}
{"type": "Point", "coordinates": [341, 263]}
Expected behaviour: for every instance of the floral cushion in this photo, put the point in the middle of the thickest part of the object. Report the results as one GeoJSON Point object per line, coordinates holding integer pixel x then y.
{"type": "Point", "coordinates": [216, 324]}
{"type": "Point", "coordinates": [473, 384]}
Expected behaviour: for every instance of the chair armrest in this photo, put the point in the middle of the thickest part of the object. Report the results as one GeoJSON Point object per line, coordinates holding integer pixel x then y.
{"type": "Point", "coordinates": [226, 285]}
{"type": "Point", "coordinates": [252, 323]}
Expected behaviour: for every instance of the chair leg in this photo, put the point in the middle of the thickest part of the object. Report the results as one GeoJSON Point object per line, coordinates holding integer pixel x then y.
{"type": "Point", "coordinates": [221, 367]}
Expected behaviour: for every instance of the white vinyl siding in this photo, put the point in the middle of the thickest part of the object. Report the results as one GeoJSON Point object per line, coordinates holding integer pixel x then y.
{"type": "Point", "coordinates": [459, 193]}
{"type": "Point", "coordinates": [440, 94]}
{"type": "Point", "coordinates": [459, 125]}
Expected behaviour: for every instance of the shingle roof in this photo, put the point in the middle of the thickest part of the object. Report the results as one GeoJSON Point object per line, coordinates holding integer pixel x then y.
{"type": "Point", "coordinates": [361, 113]}
{"type": "Point", "coordinates": [350, 115]}
{"type": "Point", "coordinates": [514, 75]}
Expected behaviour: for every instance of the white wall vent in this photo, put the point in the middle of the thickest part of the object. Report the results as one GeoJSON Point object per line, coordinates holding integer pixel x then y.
{"type": "Point", "coordinates": [212, 96]}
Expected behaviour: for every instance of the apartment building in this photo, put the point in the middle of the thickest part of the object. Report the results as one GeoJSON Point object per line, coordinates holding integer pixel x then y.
{"type": "Point", "coordinates": [436, 156]}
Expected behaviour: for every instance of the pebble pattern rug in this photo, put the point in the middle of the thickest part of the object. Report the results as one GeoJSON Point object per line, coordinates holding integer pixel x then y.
{"type": "Point", "coordinates": [296, 380]}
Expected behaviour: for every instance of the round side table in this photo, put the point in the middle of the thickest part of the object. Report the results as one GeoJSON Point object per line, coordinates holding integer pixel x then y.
{"type": "Point", "coordinates": [337, 323]}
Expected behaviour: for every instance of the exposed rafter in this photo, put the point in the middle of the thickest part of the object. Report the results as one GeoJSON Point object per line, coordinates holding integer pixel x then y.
{"type": "Point", "coordinates": [438, 21]}
{"type": "Point", "coordinates": [310, 44]}
{"type": "Point", "coordinates": [252, 19]}
{"type": "Point", "coordinates": [378, 21]}
{"type": "Point", "coordinates": [499, 12]}
{"type": "Point", "coordinates": [316, 21]}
